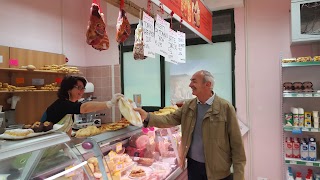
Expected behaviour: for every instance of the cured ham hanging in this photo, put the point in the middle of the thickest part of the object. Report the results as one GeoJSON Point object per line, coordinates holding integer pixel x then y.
{"type": "Point", "coordinates": [96, 32]}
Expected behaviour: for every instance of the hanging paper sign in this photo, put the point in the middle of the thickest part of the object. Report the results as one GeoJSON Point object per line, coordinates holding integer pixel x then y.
{"type": "Point", "coordinates": [181, 40]}
{"type": "Point", "coordinates": [172, 47]}
{"type": "Point", "coordinates": [148, 35]}
{"type": "Point", "coordinates": [161, 36]}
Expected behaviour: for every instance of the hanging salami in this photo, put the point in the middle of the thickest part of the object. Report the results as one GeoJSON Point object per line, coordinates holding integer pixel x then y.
{"type": "Point", "coordinates": [123, 25]}
{"type": "Point", "coordinates": [96, 32]}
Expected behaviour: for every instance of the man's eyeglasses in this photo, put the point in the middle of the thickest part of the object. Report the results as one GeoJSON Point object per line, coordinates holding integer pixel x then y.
{"type": "Point", "coordinates": [80, 88]}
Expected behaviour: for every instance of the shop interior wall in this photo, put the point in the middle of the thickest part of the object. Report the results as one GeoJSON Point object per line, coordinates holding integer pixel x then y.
{"type": "Point", "coordinates": [266, 31]}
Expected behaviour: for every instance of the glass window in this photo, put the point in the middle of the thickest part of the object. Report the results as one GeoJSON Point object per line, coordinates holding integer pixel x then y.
{"type": "Point", "coordinates": [214, 58]}
{"type": "Point", "coordinates": [142, 77]}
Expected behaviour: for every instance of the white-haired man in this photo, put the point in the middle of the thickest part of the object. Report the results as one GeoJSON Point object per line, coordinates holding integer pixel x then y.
{"type": "Point", "coordinates": [211, 139]}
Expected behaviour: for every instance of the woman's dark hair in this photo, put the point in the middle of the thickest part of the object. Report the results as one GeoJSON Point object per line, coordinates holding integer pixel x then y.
{"type": "Point", "coordinates": [67, 84]}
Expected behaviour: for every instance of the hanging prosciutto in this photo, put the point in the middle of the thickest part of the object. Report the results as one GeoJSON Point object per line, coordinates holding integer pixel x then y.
{"type": "Point", "coordinates": [123, 25]}
{"type": "Point", "coordinates": [96, 32]}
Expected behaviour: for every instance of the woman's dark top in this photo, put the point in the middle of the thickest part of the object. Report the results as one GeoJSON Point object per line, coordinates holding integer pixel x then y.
{"type": "Point", "coordinates": [61, 107]}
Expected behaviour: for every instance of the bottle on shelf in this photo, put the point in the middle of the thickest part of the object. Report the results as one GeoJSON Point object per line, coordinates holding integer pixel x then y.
{"type": "Point", "coordinates": [296, 148]}
{"type": "Point", "coordinates": [312, 149]}
{"type": "Point", "coordinates": [289, 148]}
{"type": "Point", "coordinates": [298, 176]}
{"type": "Point", "coordinates": [304, 149]}
{"type": "Point", "coordinates": [295, 114]}
{"type": "Point", "coordinates": [301, 117]}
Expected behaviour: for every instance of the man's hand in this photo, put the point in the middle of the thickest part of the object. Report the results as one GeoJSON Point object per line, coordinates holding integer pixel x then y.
{"type": "Point", "coordinates": [142, 113]}
{"type": "Point", "coordinates": [114, 100]}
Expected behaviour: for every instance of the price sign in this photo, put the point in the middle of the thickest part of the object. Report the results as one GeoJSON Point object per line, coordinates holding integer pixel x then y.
{"type": "Point", "coordinates": [118, 167]}
{"type": "Point", "coordinates": [308, 95]}
{"type": "Point", "coordinates": [299, 95]}
{"type": "Point", "coordinates": [309, 164]}
{"type": "Point", "coordinates": [148, 36]}
{"type": "Point", "coordinates": [37, 82]}
{"type": "Point", "coordinates": [181, 40]}
{"type": "Point", "coordinates": [314, 130]}
{"type": "Point", "coordinates": [293, 162]}
{"type": "Point", "coordinates": [58, 80]}
{"type": "Point", "coordinates": [161, 36]}
{"type": "Point", "coordinates": [13, 62]}
{"type": "Point", "coordinates": [20, 80]}
{"type": "Point", "coordinates": [296, 130]}
{"type": "Point", "coordinates": [118, 147]}
{"type": "Point", "coordinates": [172, 47]}
{"type": "Point", "coordinates": [305, 129]}
{"type": "Point", "coordinates": [316, 95]}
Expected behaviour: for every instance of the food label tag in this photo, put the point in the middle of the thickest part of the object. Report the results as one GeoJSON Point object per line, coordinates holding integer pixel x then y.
{"type": "Point", "coordinates": [118, 147]}
{"type": "Point", "coordinates": [151, 140]}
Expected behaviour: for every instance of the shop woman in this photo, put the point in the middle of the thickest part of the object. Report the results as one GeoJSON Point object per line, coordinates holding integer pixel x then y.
{"type": "Point", "coordinates": [71, 90]}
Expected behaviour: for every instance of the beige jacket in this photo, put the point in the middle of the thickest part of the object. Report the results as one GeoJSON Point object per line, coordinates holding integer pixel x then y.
{"type": "Point", "coordinates": [221, 136]}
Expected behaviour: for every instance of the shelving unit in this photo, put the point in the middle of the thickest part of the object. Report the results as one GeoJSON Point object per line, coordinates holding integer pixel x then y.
{"type": "Point", "coordinates": [302, 94]}
{"type": "Point", "coordinates": [300, 72]}
{"type": "Point", "coordinates": [34, 71]}
{"type": "Point", "coordinates": [293, 161]}
{"type": "Point", "coordinates": [300, 64]}
{"type": "Point", "coordinates": [28, 91]}
{"type": "Point", "coordinates": [304, 129]}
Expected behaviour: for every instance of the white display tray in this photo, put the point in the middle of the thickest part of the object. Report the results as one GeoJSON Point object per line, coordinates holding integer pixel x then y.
{"type": "Point", "coordinates": [9, 137]}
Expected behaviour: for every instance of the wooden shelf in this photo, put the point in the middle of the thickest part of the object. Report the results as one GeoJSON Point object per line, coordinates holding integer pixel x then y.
{"type": "Point", "coordinates": [34, 71]}
{"type": "Point", "coordinates": [28, 91]}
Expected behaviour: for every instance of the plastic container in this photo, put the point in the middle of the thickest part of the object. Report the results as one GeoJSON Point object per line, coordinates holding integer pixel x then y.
{"type": "Point", "coordinates": [295, 114]}
{"type": "Point", "coordinates": [316, 122]}
{"type": "Point", "coordinates": [301, 117]}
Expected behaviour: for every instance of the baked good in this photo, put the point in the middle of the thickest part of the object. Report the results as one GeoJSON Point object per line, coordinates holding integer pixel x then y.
{"type": "Point", "coordinates": [145, 161]}
{"type": "Point", "coordinates": [37, 126]}
{"type": "Point", "coordinates": [88, 131]}
{"type": "Point", "coordinates": [27, 126]}
{"type": "Point", "coordinates": [47, 126]}
{"type": "Point", "coordinates": [19, 132]}
{"type": "Point", "coordinates": [137, 173]}
{"type": "Point", "coordinates": [127, 111]}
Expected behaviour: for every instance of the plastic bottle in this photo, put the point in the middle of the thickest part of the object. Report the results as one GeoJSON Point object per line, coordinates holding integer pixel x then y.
{"type": "Point", "coordinates": [289, 148]}
{"type": "Point", "coordinates": [298, 176]}
{"type": "Point", "coordinates": [296, 148]}
{"type": "Point", "coordinates": [301, 117]}
{"type": "Point", "coordinates": [295, 114]}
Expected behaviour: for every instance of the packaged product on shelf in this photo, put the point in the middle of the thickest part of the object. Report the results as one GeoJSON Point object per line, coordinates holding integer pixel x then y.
{"type": "Point", "coordinates": [307, 119]}
{"type": "Point", "coordinates": [296, 148]}
{"type": "Point", "coordinates": [301, 117]}
{"type": "Point", "coordinates": [312, 149]}
{"type": "Point", "coordinates": [295, 114]}
{"type": "Point", "coordinates": [316, 122]}
{"type": "Point", "coordinates": [304, 149]}
{"type": "Point", "coordinates": [289, 119]}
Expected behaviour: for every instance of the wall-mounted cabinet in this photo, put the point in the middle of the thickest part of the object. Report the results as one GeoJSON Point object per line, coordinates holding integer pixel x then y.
{"type": "Point", "coordinates": [305, 26]}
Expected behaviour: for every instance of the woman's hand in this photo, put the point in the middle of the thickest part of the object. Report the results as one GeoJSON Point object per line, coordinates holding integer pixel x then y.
{"type": "Point", "coordinates": [114, 100]}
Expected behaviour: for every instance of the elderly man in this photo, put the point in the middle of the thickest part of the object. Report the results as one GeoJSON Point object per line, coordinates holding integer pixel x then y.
{"type": "Point", "coordinates": [211, 139]}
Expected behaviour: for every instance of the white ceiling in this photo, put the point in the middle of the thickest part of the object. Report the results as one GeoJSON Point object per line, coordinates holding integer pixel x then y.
{"type": "Point", "coordinates": [213, 5]}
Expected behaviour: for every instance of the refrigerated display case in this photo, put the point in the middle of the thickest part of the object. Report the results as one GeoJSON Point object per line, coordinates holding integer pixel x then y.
{"type": "Point", "coordinates": [132, 153]}
{"type": "Point", "coordinates": [43, 157]}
